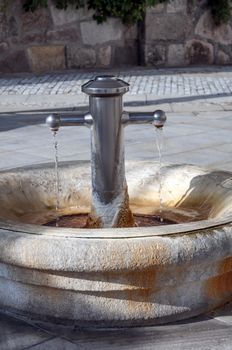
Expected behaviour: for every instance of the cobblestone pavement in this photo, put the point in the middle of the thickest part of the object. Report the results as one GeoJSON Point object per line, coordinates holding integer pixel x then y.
{"type": "Point", "coordinates": [145, 85]}
{"type": "Point", "coordinates": [157, 82]}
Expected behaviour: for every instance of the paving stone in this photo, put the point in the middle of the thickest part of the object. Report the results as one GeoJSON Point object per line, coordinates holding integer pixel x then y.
{"type": "Point", "coordinates": [202, 332]}
{"type": "Point", "coordinates": [17, 335]}
{"type": "Point", "coordinates": [224, 314]}
{"type": "Point", "coordinates": [56, 344]}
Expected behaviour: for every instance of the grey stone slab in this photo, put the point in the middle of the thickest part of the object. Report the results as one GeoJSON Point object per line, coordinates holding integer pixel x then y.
{"type": "Point", "coordinates": [202, 333]}
{"type": "Point", "coordinates": [225, 147]}
{"type": "Point", "coordinates": [202, 157]}
{"type": "Point", "coordinates": [9, 160]}
{"type": "Point", "coordinates": [201, 140]}
{"type": "Point", "coordinates": [196, 106]}
{"type": "Point", "coordinates": [223, 314]}
{"type": "Point", "coordinates": [56, 344]}
{"type": "Point", "coordinates": [17, 335]}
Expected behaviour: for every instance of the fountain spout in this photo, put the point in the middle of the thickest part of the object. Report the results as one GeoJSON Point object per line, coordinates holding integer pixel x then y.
{"type": "Point", "coordinates": [110, 201]}
{"type": "Point", "coordinates": [55, 121]}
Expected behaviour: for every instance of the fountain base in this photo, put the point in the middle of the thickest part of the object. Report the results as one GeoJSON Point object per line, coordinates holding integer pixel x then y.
{"type": "Point", "coordinates": [80, 221]}
{"type": "Point", "coordinates": [115, 277]}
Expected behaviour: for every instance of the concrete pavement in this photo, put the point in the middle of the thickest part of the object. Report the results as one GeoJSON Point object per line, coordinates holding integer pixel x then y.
{"type": "Point", "coordinates": [209, 332]}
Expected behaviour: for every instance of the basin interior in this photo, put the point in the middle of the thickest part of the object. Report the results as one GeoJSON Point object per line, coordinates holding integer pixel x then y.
{"type": "Point", "coordinates": [189, 193]}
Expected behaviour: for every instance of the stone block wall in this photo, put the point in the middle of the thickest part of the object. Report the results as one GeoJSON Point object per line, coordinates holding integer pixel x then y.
{"type": "Point", "coordinates": [182, 33]}
{"type": "Point", "coordinates": [51, 39]}
{"type": "Point", "coordinates": [179, 33]}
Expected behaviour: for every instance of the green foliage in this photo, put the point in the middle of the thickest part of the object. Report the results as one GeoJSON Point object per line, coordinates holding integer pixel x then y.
{"type": "Point", "coordinates": [220, 10]}
{"type": "Point", "coordinates": [128, 11]}
{"type": "Point", "coordinates": [32, 5]}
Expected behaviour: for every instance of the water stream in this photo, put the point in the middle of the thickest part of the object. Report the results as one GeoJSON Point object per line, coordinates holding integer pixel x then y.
{"type": "Point", "coordinates": [159, 137]}
{"type": "Point", "coordinates": [57, 177]}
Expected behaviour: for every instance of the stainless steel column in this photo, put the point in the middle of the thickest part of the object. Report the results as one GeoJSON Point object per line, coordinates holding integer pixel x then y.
{"type": "Point", "coordinates": [108, 167]}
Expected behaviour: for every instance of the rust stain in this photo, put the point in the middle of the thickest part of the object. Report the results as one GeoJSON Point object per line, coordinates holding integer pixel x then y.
{"type": "Point", "coordinates": [221, 286]}
{"type": "Point", "coordinates": [226, 265]}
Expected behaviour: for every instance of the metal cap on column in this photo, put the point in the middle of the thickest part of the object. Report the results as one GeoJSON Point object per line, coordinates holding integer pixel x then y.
{"type": "Point", "coordinates": [105, 85]}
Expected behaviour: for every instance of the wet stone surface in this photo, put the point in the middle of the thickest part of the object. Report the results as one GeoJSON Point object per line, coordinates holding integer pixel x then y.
{"type": "Point", "coordinates": [79, 221]}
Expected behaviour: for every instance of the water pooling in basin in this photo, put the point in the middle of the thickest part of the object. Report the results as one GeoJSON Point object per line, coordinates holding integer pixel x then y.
{"type": "Point", "coordinates": [80, 221]}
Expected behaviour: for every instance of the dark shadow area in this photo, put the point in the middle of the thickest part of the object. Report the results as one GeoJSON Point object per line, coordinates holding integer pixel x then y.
{"type": "Point", "coordinates": [80, 74]}
{"type": "Point", "coordinates": [9, 121]}
{"type": "Point", "coordinates": [22, 118]}
{"type": "Point", "coordinates": [200, 332]}
{"type": "Point", "coordinates": [175, 100]}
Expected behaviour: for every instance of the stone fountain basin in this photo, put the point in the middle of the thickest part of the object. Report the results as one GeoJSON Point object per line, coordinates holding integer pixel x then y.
{"type": "Point", "coordinates": [116, 277]}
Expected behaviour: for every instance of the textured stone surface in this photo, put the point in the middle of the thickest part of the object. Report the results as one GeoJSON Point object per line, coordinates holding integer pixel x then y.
{"type": "Point", "coordinates": [109, 31]}
{"type": "Point", "coordinates": [110, 276]}
{"type": "Point", "coordinates": [199, 52]}
{"type": "Point", "coordinates": [46, 58]}
{"type": "Point", "coordinates": [64, 17]}
{"type": "Point", "coordinates": [35, 38]}
{"type": "Point", "coordinates": [155, 55]}
{"type": "Point", "coordinates": [125, 55]}
{"type": "Point", "coordinates": [3, 46]}
{"type": "Point", "coordinates": [16, 335]}
{"type": "Point", "coordinates": [222, 58]}
{"type": "Point", "coordinates": [66, 35]}
{"type": "Point", "coordinates": [13, 26]}
{"type": "Point", "coordinates": [162, 40]}
{"type": "Point", "coordinates": [207, 29]}
{"type": "Point", "coordinates": [130, 32]}
{"type": "Point", "coordinates": [15, 61]}
{"type": "Point", "coordinates": [70, 15]}
{"type": "Point", "coordinates": [176, 55]}
{"type": "Point", "coordinates": [167, 27]}
{"type": "Point", "coordinates": [39, 20]}
{"type": "Point", "coordinates": [3, 26]}
{"type": "Point", "coordinates": [157, 9]}
{"type": "Point", "coordinates": [202, 332]}
{"type": "Point", "coordinates": [80, 58]}
{"type": "Point", "coordinates": [104, 56]}
{"type": "Point", "coordinates": [175, 6]}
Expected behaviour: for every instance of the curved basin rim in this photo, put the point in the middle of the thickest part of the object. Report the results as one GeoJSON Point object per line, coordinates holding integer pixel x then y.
{"type": "Point", "coordinates": [115, 233]}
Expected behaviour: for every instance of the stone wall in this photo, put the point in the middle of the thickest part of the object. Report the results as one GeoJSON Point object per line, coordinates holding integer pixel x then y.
{"type": "Point", "coordinates": [179, 33]}
{"type": "Point", "coordinates": [52, 39]}
{"type": "Point", "coordinates": [182, 33]}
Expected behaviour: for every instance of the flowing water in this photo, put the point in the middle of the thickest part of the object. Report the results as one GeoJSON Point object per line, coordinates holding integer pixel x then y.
{"type": "Point", "coordinates": [159, 137]}
{"type": "Point", "coordinates": [57, 178]}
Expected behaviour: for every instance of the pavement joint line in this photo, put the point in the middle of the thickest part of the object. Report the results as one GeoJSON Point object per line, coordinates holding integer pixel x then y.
{"type": "Point", "coordinates": [39, 343]}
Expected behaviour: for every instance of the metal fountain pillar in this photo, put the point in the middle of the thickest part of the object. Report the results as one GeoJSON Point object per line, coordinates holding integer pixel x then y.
{"type": "Point", "coordinates": [106, 118]}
